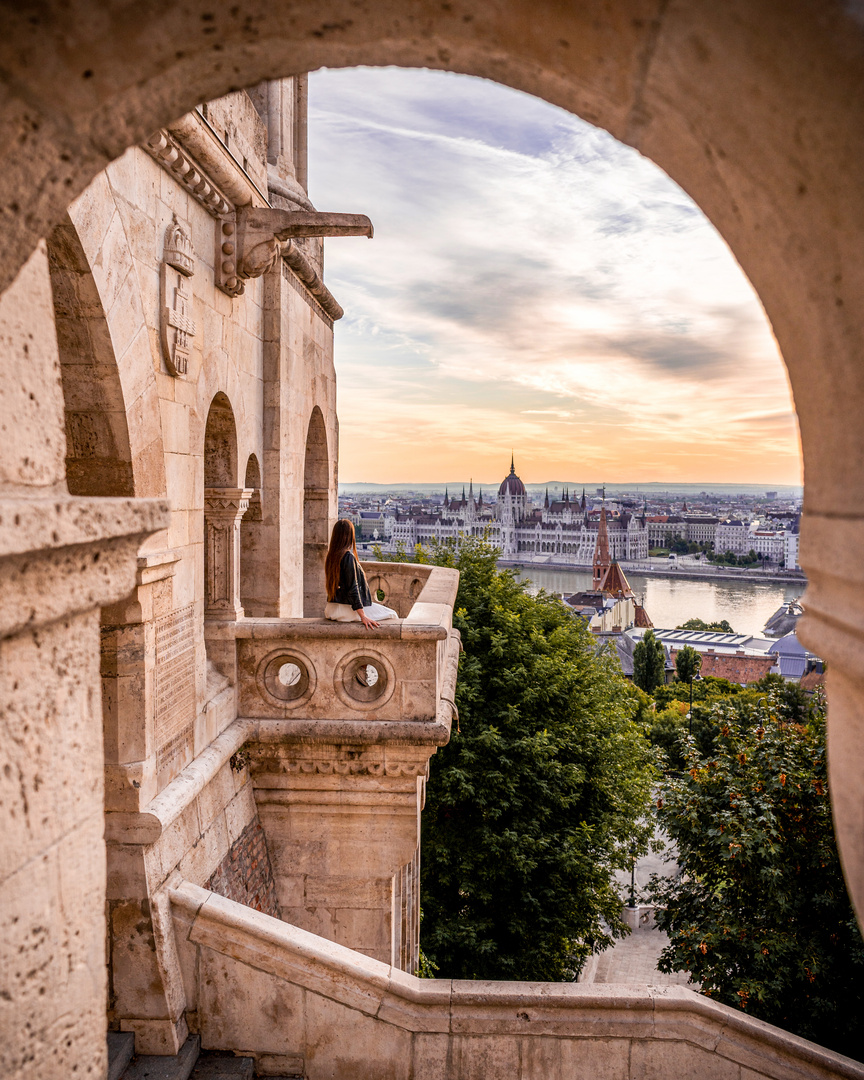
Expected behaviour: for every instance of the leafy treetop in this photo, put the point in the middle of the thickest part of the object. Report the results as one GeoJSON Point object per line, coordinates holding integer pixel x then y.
{"type": "Point", "coordinates": [539, 798]}
{"type": "Point", "coordinates": [759, 912]}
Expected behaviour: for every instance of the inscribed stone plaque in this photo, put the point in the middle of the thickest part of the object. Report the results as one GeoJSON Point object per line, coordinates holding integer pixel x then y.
{"type": "Point", "coordinates": [175, 685]}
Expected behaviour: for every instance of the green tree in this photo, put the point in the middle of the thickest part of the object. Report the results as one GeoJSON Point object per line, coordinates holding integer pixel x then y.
{"type": "Point", "coordinates": [697, 624]}
{"type": "Point", "coordinates": [539, 798]}
{"type": "Point", "coordinates": [687, 664]}
{"type": "Point", "coordinates": [759, 913]}
{"type": "Point", "coordinates": [649, 663]}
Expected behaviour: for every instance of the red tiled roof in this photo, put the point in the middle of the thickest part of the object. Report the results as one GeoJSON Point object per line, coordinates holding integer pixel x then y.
{"type": "Point", "coordinates": [812, 679]}
{"type": "Point", "coordinates": [615, 582]}
{"type": "Point", "coordinates": [642, 619]}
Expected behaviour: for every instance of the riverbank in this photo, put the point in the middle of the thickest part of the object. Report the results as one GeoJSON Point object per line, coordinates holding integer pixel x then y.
{"type": "Point", "coordinates": [687, 572]}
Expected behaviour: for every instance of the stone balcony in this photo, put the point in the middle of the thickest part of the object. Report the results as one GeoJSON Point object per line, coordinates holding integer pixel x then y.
{"type": "Point", "coordinates": [338, 724]}
{"type": "Point", "coordinates": [315, 670]}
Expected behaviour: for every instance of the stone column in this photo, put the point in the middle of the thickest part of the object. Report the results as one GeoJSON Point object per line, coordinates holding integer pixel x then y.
{"type": "Point", "coordinates": [343, 830]}
{"type": "Point", "coordinates": [223, 511]}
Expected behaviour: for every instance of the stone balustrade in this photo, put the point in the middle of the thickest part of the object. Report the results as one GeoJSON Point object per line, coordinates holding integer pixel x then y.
{"type": "Point", "coordinates": [303, 1005]}
{"type": "Point", "coordinates": [399, 585]}
{"type": "Point", "coordinates": [339, 724]}
{"type": "Point", "coordinates": [318, 670]}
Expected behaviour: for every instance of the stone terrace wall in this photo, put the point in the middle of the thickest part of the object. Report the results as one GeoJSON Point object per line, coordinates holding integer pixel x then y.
{"type": "Point", "coordinates": [245, 874]}
{"type": "Point", "coordinates": [304, 1005]}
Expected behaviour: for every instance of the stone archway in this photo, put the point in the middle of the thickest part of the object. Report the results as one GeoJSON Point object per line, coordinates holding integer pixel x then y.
{"type": "Point", "coordinates": [224, 506]}
{"type": "Point", "coordinates": [98, 453]}
{"type": "Point", "coordinates": [316, 517]}
{"type": "Point", "coordinates": [754, 107]}
{"type": "Point", "coordinates": [254, 554]}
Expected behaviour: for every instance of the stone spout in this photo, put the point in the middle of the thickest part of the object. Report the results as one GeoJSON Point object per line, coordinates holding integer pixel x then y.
{"type": "Point", "coordinates": [271, 222]}
{"type": "Point", "coordinates": [254, 237]}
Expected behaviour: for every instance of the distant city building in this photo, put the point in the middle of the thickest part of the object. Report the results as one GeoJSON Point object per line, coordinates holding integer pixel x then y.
{"type": "Point", "coordinates": [776, 541]}
{"type": "Point", "coordinates": [742, 658]}
{"type": "Point", "coordinates": [663, 529]}
{"type": "Point", "coordinates": [563, 530]}
{"type": "Point", "coordinates": [610, 606]}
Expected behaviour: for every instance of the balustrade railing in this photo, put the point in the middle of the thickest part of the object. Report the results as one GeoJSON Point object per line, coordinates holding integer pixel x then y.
{"type": "Point", "coordinates": [316, 669]}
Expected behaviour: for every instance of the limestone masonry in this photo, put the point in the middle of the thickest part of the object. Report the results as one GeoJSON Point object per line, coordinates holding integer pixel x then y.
{"type": "Point", "coordinates": [210, 797]}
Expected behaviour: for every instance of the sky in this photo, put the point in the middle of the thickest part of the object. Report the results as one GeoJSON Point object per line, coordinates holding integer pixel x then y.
{"type": "Point", "coordinates": [536, 286]}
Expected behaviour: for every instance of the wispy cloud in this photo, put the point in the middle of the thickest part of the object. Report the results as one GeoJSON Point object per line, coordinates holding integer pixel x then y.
{"type": "Point", "coordinates": [532, 284]}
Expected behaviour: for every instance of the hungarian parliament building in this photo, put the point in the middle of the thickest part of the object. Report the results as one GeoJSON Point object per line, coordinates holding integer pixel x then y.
{"type": "Point", "coordinates": [567, 528]}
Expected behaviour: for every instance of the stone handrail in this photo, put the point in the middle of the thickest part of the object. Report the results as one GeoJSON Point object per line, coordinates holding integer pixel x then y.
{"type": "Point", "coordinates": [302, 1002]}
{"type": "Point", "coordinates": [399, 585]}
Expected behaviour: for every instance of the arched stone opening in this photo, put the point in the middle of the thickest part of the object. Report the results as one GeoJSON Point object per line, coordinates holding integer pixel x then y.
{"type": "Point", "coordinates": [754, 108]}
{"type": "Point", "coordinates": [224, 507]}
{"type": "Point", "coordinates": [98, 454]}
{"type": "Point", "coordinates": [316, 515]}
{"type": "Point", "coordinates": [253, 547]}
{"type": "Point", "coordinates": [99, 464]}
{"type": "Point", "coordinates": [220, 445]}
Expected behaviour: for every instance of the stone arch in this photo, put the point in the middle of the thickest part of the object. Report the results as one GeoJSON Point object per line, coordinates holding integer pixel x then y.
{"type": "Point", "coordinates": [220, 444]}
{"type": "Point", "coordinates": [253, 546]}
{"type": "Point", "coordinates": [98, 453]}
{"type": "Point", "coordinates": [95, 226]}
{"type": "Point", "coordinates": [753, 107]}
{"type": "Point", "coordinates": [316, 514]}
{"type": "Point", "coordinates": [224, 506]}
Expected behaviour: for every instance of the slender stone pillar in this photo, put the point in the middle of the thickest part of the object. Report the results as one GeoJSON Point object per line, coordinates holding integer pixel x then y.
{"type": "Point", "coordinates": [223, 510]}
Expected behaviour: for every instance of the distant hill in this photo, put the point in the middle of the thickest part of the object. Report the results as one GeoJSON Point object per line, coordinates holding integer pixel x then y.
{"type": "Point", "coordinates": [653, 489]}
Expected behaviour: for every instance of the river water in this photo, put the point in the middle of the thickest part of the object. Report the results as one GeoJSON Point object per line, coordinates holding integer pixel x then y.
{"type": "Point", "coordinates": [746, 606]}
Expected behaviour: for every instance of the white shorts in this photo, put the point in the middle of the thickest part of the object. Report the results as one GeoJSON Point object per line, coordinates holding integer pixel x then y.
{"type": "Point", "coordinates": [345, 613]}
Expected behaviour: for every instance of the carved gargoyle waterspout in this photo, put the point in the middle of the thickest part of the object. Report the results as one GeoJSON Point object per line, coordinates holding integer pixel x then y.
{"type": "Point", "coordinates": [252, 239]}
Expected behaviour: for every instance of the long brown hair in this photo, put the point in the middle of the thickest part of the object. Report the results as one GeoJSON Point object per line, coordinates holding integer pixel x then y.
{"type": "Point", "coordinates": [341, 540]}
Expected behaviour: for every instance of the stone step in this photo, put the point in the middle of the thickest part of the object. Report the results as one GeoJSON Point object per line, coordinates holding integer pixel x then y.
{"type": "Point", "coordinates": [121, 1050]}
{"type": "Point", "coordinates": [221, 1065]}
{"type": "Point", "coordinates": [165, 1067]}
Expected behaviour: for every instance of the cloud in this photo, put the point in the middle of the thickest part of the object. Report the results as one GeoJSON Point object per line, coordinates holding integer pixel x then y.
{"type": "Point", "coordinates": [532, 283]}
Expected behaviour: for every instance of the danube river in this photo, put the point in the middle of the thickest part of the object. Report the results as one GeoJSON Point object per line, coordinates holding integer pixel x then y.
{"type": "Point", "coordinates": [746, 606]}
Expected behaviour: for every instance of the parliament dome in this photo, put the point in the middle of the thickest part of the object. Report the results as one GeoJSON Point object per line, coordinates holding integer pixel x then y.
{"type": "Point", "coordinates": [511, 484]}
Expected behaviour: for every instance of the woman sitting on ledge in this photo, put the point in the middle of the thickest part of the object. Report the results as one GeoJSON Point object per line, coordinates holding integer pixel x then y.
{"type": "Point", "coordinates": [348, 595]}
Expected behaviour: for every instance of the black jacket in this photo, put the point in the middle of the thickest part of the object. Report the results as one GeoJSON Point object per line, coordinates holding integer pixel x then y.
{"type": "Point", "coordinates": [353, 587]}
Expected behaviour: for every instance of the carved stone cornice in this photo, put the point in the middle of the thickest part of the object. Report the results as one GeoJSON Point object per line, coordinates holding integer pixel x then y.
{"type": "Point", "coordinates": [64, 555]}
{"type": "Point", "coordinates": [242, 251]}
{"type": "Point", "coordinates": [168, 153]}
{"type": "Point", "coordinates": [338, 767]}
{"type": "Point", "coordinates": [302, 266]}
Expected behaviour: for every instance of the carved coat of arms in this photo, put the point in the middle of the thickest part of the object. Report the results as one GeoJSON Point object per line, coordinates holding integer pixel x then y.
{"type": "Point", "coordinates": [178, 327]}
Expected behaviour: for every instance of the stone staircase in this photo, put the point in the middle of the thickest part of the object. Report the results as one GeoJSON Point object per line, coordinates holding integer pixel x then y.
{"type": "Point", "coordinates": [191, 1063]}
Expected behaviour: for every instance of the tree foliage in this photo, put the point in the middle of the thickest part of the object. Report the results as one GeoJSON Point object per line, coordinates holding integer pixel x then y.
{"type": "Point", "coordinates": [649, 663]}
{"type": "Point", "coordinates": [538, 800]}
{"type": "Point", "coordinates": [697, 624]}
{"type": "Point", "coordinates": [759, 912]}
{"type": "Point", "coordinates": [687, 664]}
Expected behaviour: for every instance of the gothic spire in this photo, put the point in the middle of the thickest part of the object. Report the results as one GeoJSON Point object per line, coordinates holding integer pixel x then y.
{"type": "Point", "coordinates": [602, 560]}
{"type": "Point", "coordinates": [546, 503]}
{"type": "Point", "coordinates": [512, 464]}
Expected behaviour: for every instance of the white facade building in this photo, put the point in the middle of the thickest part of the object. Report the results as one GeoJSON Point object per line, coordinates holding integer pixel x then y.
{"type": "Point", "coordinates": [564, 531]}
